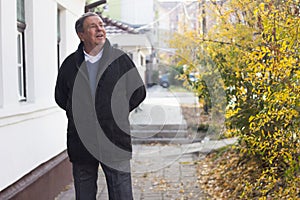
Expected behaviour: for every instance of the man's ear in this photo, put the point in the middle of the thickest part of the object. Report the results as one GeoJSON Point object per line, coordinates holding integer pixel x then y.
{"type": "Point", "coordinates": [80, 35]}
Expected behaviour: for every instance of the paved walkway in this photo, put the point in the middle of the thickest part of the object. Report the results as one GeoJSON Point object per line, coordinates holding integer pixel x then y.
{"type": "Point", "coordinates": [161, 171]}
{"type": "Point", "coordinates": [157, 174]}
{"type": "Point", "coordinates": [161, 119]}
{"type": "Point", "coordinates": [162, 107]}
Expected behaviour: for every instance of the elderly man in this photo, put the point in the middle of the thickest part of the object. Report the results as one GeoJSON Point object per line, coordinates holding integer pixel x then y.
{"type": "Point", "coordinates": [98, 86]}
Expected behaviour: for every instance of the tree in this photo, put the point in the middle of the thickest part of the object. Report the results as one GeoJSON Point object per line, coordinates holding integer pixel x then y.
{"type": "Point", "coordinates": [255, 49]}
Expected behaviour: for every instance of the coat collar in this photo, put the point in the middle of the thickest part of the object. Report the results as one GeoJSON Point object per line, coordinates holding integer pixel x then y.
{"type": "Point", "coordinates": [110, 54]}
{"type": "Point", "coordinates": [107, 50]}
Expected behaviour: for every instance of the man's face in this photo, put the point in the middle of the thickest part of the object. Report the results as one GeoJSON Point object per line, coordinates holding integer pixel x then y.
{"type": "Point", "coordinates": [93, 32]}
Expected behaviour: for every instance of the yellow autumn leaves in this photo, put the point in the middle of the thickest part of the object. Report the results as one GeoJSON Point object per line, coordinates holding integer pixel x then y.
{"type": "Point", "coordinates": [255, 47]}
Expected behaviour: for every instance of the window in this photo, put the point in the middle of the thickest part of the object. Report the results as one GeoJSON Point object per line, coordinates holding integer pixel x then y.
{"type": "Point", "coordinates": [20, 11]}
{"type": "Point", "coordinates": [130, 55]}
{"type": "Point", "coordinates": [21, 50]}
{"type": "Point", "coordinates": [58, 37]}
{"type": "Point", "coordinates": [21, 67]}
{"type": "Point", "coordinates": [142, 60]}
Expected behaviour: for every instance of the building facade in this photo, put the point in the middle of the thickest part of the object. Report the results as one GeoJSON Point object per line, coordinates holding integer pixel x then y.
{"type": "Point", "coordinates": [134, 12]}
{"type": "Point", "coordinates": [137, 46]}
{"type": "Point", "coordinates": [35, 37]}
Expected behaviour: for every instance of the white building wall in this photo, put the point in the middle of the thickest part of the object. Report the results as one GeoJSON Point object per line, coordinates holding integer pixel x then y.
{"type": "Point", "coordinates": [8, 52]}
{"type": "Point", "coordinates": [137, 11]}
{"type": "Point", "coordinates": [70, 11]}
{"type": "Point", "coordinates": [138, 45]}
{"type": "Point", "coordinates": [34, 131]}
{"type": "Point", "coordinates": [69, 40]}
{"type": "Point", "coordinates": [43, 54]}
{"type": "Point", "coordinates": [142, 65]}
{"type": "Point", "coordinates": [136, 58]}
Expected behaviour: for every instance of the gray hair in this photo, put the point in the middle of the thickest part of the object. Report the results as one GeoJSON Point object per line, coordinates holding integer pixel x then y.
{"type": "Point", "coordinates": [80, 21]}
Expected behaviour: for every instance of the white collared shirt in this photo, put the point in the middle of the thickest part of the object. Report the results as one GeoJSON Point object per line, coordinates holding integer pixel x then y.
{"type": "Point", "coordinates": [92, 59]}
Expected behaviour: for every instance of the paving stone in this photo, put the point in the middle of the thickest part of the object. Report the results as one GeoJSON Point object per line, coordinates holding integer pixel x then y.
{"type": "Point", "coordinates": [159, 171]}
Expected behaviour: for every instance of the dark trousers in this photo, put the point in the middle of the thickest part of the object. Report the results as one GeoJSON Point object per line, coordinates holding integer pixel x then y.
{"type": "Point", "coordinates": [118, 181]}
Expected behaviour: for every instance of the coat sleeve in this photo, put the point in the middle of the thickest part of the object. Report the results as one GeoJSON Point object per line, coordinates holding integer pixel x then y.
{"type": "Point", "coordinates": [135, 86]}
{"type": "Point", "coordinates": [61, 90]}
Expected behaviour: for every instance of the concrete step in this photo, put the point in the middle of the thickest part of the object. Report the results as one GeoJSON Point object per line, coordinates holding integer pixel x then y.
{"type": "Point", "coordinates": [143, 127]}
{"type": "Point", "coordinates": [158, 133]}
{"type": "Point", "coordinates": [164, 140]}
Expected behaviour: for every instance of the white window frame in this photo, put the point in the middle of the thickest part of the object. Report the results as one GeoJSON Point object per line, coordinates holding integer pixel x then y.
{"type": "Point", "coordinates": [21, 64]}
{"type": "Point", "coordinates": [21, 67]}
{"type": "Point", "coordinates": [58, 21]}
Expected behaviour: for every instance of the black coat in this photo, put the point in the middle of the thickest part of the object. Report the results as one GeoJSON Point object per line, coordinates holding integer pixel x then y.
{"type": "Point", "coordinates": [98, 127]}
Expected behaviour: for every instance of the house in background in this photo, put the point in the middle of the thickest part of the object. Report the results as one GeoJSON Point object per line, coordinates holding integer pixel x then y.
{"type": "Point", "coordinates": [135, 12]}
{"type": "Point", "coordinates": [135, 44]}
{"type": "Point", "coordinates": [35, 36]}
{"type": "Point", "coordinates": [132, 13]}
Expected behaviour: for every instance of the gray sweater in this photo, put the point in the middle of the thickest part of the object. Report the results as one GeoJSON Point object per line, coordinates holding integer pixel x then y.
{"type": "Point", "coordinates": [93, 69]}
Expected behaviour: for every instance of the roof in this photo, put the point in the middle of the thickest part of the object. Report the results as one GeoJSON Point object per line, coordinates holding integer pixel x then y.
{"type": "Point", "coordinates": [124, 34]}
{"type": "Point", "coordinates": [114, 27]}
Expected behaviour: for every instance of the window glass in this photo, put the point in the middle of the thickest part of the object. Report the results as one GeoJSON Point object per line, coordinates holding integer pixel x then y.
{"type": "Point", "coordinates": [20, 11]}
{"type": "Point", "coordinates": [19, 46]}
